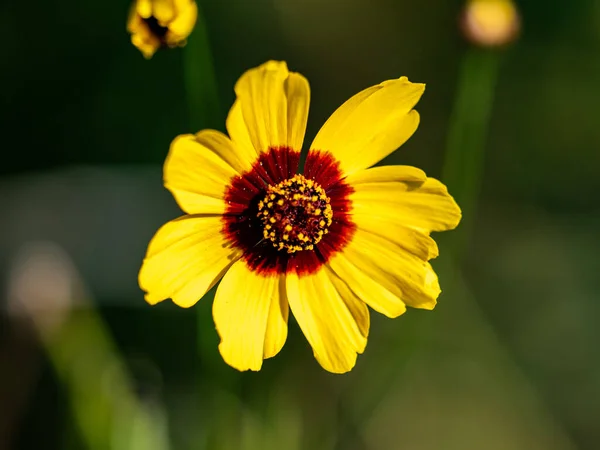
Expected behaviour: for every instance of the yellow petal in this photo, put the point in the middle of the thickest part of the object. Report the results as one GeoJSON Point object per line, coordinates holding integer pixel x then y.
{"type": "Point", "coordinates": [412, 240]}
{"type": "Point", "coordinates": [141, 36]}
{"type": "Point", "coordinates": [182, 5]}
{"type": "Point", "coordinates": [274, 108]}
{"type": "Point", "coordinates": [198, 171]}
{"type": "Point", "coordinates": [144, 8]}
{"type": "Point", "coordinates": [386, 182]}
{"type": "Point", "coordinates": [163, 11]}
{"type": "Point", "coordinates": [297, 93]}
{"type": "Point", "coordinates": [250, 313]}
{"type": "Point", "coordinates": [366, 288]}
{"type": "Point", "coordinates": [277, 323]}
{"type": "Point", "coordinates": [185, 258]}
{"type": "Point", "coordinates": [394, 209]}
{"type": "Point", "coordinates": [238, 132]}
{"type": "Point", "coordinates": [371, 125]}
{"type": "Point", "coordinates": [183, 23]}
{"type": "Point", "coordinates": [405, 275]}
{"type": "Point", "coordinates": [425, 206]}
{"type": "Point", "coordinates": [334, 321]}
{"type": "Point", "coordinates": [386, 174]}
{"type": "Point", "coordinates": [226, 149]}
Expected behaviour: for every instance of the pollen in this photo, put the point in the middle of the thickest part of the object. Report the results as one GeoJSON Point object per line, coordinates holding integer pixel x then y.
{"type": "Point", "coordinates": [295, 214]}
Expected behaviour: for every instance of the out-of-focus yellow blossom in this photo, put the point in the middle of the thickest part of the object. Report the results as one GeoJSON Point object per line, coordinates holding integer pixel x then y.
{"type": "Point", "coordinates": [491, 23]}
{"type": "Point", "coordinates": [161, 23]}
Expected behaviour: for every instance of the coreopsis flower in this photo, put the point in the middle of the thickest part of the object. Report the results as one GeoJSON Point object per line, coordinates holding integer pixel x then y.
{"type": "Point", "coordinates": [161, 23]}
{"type": "Point", "coordinates": [326, 243]}
{"type": "Point", "coordinates": [491, 23]}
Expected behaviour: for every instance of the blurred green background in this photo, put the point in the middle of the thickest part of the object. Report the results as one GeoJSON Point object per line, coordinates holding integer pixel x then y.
{"type": "Point", "coordinates": [509, 359]}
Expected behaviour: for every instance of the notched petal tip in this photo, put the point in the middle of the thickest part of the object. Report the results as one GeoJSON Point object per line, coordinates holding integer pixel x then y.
{"type": "Point", "coordinates": [447, 209]}
{"type": "Point", "coordinates": [432, 288]}
{"type": "Point", "coordinates": [338, 368]}
{"type": "Point", "coordinates": [410, 92]}
{"type": "Point", "coordinates": [404, 81]}
{"type": "Point", "coordinates": [453, 209]}
{"type": "Point", "coordinates": [274, 65]}
{"type": "Point", "coordinates": [153, 299]}
{"type": "Point", "coordinates": [433, 250]}
{"type": "Point", "coordinates": [271, 66]}
{"type": "Point", "coordinates": [235, 361]}
{"type": "Point", "coordinates": [150, 299]}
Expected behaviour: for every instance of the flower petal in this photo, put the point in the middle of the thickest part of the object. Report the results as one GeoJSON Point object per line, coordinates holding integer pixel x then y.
{"type": "Point", "coordinates": [164, 11]}
{"type": "Point", "coordinates": [144, 8]}
{"type": "Point", "coordinates": [404, 275]}
{"type": "Point", "coordinates": [199, 168]}
{"type": "Point", "coordinates": [250, 313]}
{"type": "Point", "coordinates": [394, 208]}
{"type": "Point", "coordinates": [371, 125]}
{"type": "Point", "coordinates": [141, 36]}
{"type": "Point", "coordinates": [334, 321]}
{"type": "Point", "coordinates": [297, 92]}
{"type": "Point", "coordinates": [412, 240]}
{"type": "Point", "coordinates": [387, 174]}
{"type": "Point", "coordinates": [277, 323]}
{"type": "Point", "coordinates": [271, 108]}
{"type": "Point", "coordinates": [185, 20]}
{"type": "Point", "coordinates": [422, 205]}
{"type": "Point", "coordinates": [238, 132]}
{"type": "Point", "coordinates": [375, 295]}
{"type": "Point", "coordinates": [185, 258]}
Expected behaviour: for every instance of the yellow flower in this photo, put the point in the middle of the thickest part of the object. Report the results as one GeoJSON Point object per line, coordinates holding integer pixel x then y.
{"type": "Point", "coordinates": [161, 23]}
{"type": "Point", "coordinates": [491, 23]}
{"type": "Point", "coordinates": [326, 243]}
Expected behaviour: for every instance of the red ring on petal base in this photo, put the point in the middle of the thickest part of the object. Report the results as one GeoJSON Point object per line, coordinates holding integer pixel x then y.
{"type": "Point", "coordinates": [245, 230]}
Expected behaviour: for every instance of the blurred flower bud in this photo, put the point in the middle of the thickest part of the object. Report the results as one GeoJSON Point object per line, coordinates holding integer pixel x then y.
{"type": "Point", "coordinates": [490, 23]}
{"type": "Point", "coordinates": [161, 23]}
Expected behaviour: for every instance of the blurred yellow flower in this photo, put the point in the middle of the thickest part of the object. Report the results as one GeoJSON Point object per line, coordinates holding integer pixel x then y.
{"type": "Point", "coordinates": [161, 23]}
{"type": "Point", "coordinates": [325, 243]}
{"type": "Point", "coordinates": [491, 23]}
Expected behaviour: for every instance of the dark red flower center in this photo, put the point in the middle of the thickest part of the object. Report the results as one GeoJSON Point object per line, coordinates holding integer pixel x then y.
{"type": "Point", "coordinates": [295, 214]}
{"type": "Point", "coordinates": [286, 222]}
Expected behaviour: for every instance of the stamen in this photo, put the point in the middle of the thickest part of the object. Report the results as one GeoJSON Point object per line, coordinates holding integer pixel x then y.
{"type": "Point", "coordinates": [295, 213]}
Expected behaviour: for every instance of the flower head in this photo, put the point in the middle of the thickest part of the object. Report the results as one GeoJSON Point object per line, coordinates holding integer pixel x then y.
{"type": "Point", "coordinates": [491, 23]}
{"type": "Point", "coordinates": [161, 23]}
{"type": "Point", "coordinates": [325, 243]}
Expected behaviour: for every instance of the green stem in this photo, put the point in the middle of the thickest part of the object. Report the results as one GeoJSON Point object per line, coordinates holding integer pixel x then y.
{"type": "Point", "coordinates": [101, 394]}
{"type": "Point", "coordinates": [464, 160]}
{"type": "Point", "coordinates": [216, 381]}
{"type": "Point", "coordinates": [200, 80]}
{"type": "Point", "coordinates": [204, 109]}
